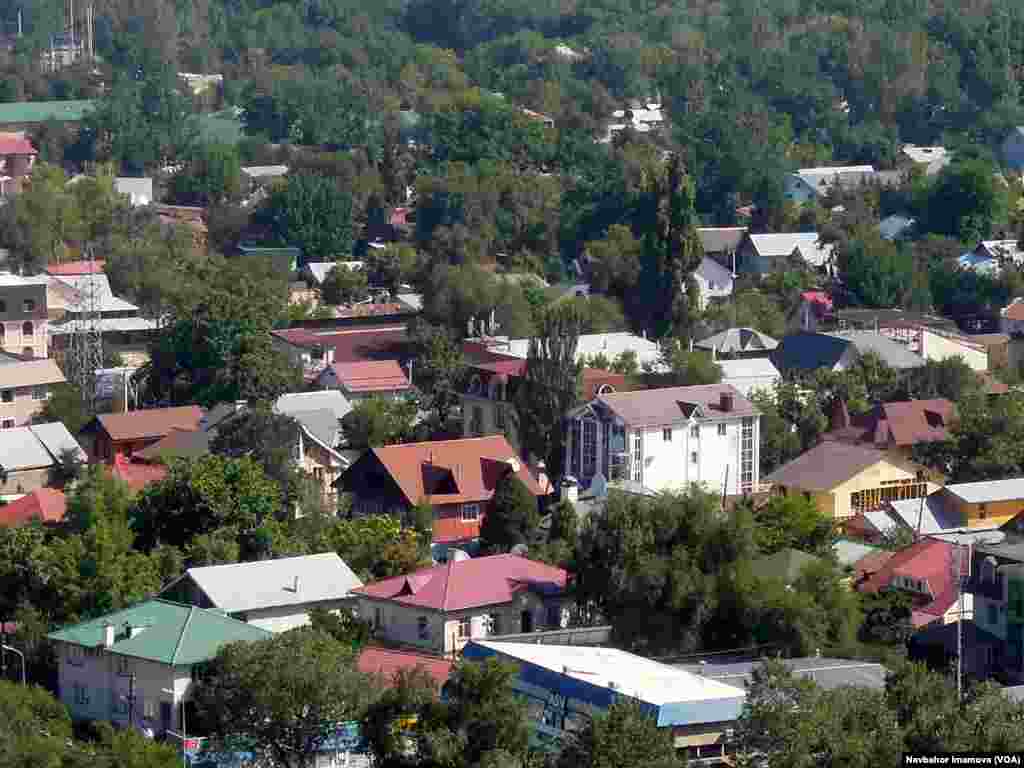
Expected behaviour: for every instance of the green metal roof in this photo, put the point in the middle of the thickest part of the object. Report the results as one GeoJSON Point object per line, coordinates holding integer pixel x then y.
{"type": "Point", "coordinates": [224, 127]}
{"type": "Point", "coordinates": [172, 633]}
{"type": "Point", "coordinates": [42, 111]}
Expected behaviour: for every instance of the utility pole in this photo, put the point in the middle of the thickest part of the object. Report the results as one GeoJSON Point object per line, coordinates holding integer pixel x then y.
{"type": "Point", "coordinates": [131, 700]}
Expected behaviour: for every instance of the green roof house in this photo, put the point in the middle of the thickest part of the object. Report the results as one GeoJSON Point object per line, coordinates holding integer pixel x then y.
{"type": "Point", "coordinates": [134, 666]}
{"type": "Point", "coordinates": [785, 565]}
{"type": "Point", "coordinates": [22, 115]}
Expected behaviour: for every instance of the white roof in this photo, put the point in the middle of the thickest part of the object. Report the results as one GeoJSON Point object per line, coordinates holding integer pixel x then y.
{"type": "Point", "coordinates": [817, 178]}
{"type": "Point", "coordinates": [39, 445]}
{"type": "Point", "coordinates": [748, 368]}
{"type": "Point", "coordinates": [264, 171]}
{"type": "Point", "coordinates": [611, 345]}
{"type": "Point", "coordinates": [107, 324]}
{"type": "Point", "coordinates": [9, 278]}
{"type": "Point", "coordinates": [272, 583]}
{"type": "Point", "coordinates": [320, 269]}
{"type": "Point", "coordinates": [141, 187]}
{"type": "Point", "coordinates": [1007, 249]}
{"type": "Point", "coordinates": [321, 400]}
{"type": "Point", "coordinates": [972, 260]}
{"type": "Point", "coordinates": [987, 491]}
{"type": "Point", "coordinates": [784, 243]}
{"type": "Point", "coordinates": [414, 300]}
{"type": "Point", "coordinates": [935, 158]}
{"type": "Point", "coordinates": [95, 287]}
{"type": "Point", "coordinates": [56, 439]}
{"type": "Point", "coordinates": [644, 679]}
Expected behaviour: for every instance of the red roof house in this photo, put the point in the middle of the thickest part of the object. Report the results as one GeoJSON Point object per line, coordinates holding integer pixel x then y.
{"type": "Point", "coordinates": [17, 156]}
{"type": "Point", "coordinates": [925, 570]}
{"type": "Point", "coordinates": [71, 268]}
{"type": "Point", "coordinates": [386, 662]}
{"type": "Point", "coordinates": [316, 348]}
{"type": "Point", "coordinates": [445, 606]}
{"type": "Point", "coordinates": [137, 474]}
{"type": "Point", "coordinates": [121, 434]}
{"type": "Point", "coordinates": [894, 425]}
{"type": "Point", "coordinates": [44, 504]}
{"type": "Point", "coordinates": [456, 477]}
{"type": "Point", "coordinates": [365, 378]}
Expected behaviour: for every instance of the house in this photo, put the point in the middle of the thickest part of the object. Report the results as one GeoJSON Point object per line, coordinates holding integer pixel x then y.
{"type": "Point", "coordinates": [1011, 317]}
{"type": "Point", "coordinates": [45, 505]}
{"type": "Point", "coordinates": [264, 173]}
{"type": "Point", "coordinates": [925, 570]}
{"type": "Point", "coordinates": [739, 343]}
{"type": "Point", "coordinates": [24, 325]}
{"type": "Point", "coordinates": [939, 645]}
{"type": "Point", "coordinates": [456, 478]}
{"type": "Point", "coordinates": [749, 375]}
{"type": "Point", "coordinates": [565, 685]}
{"type": "Point", "coordinates": [444, 607]}
{"type": "Point", "coordinates": [32, 456]}
{"type": "Point", "coordinates": [17, 156]}
{"type": "Point", "coordinates": [25, 386]}
{"type": "Point", "coordinates": [665, 439]}
{"type": "Point", "coordinates": [897, 426]}
{"type": "Point", "coordinates": [713, 282]}
{"type": "Point", "coordinates": [81, 292]}
{"type": "Point", "coordinates": [27, 115]}
{"type": "Point", "coordinates": [642, 118]}
{"type": "Point", "coordinates": [590, 345]}
{"type": "Point", "coordinates": [493, 378]}
{"type": "Point", "coordinates": [319, 416]}
{"type": "Point", "coordinates": [275, 595]}
{"type": "Point", "coordinates": [786, 566]}
{"type": "Point", "coordinates": [314, 349]}
{"type": "Point", "coordinates": [177, 444]}
{"type": "Point", "coordinates": [764, 254]}
{"type": "Point", "coordinates": [980, 351]}
{"type": "Point", "coordinates": [136, 666]}
{"type": "Point", "coordinates": [385, 663]}
{"type": "Point", "coordinates": [1013, 149]}
{"type": "Point", "coordinates": [929, 159]}
{"type": "Point", "coordinates": [984, 265]}
{"type": "Point", "coordinates": [844, 480]}
{"type": "Point", "coordinates": [121, 434]}
{"type": "Point", "coordinates": [315, 272]}
{"type": "Point", "coordinates": [139, 191]}
{"type": "Point", "coordinates": [137, 473]}
{"type": "Point", "coordinates": [815, 307]}
{"type": "Point", "coordinates": [826, 673]}
{"type": "Point", "coordinates": [997, 584]}
{"type": "Point", "coordinates": [128, 337]}
{"type": "Point", "coordinates": [365, 379]}
{"type": "Point", "coordinates": [805, 351]}
{"type": "Point", "coordinates": [720, 243]}
{"type": "Point", "coordinates": [1001, 251]}
{"type": "Point", "coordinates": [807, 184]}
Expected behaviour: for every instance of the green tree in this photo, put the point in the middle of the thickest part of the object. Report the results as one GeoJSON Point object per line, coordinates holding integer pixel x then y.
{"type": "Point", "coordinates": [793, 522]}
{"type": "Point", "coordinates": [623, 737]}
{"type": "Point", "coordinates": [313, 213]}
{"type": "Point", "coordinates": [780, 440]}
{"type": "Point", "coordinates": [211, 176]}
{"type": "Point", "coordinates": [512, 518]}
{"type": "Point", "coordinates": [887, 617]}
{"type": "Point", "coordinates": [438, 371]}
{"type": "Point", "coordinates": [65, 404]}
{"type": "Point", "coordinates": [46, 216]}
{"type": "Point", "coordinates": [686, 368]}
{"type": "Point", "coordinates": [375, 546]}
{"type": "Point", "coordinates": [286, 693]}
{"type": "Point", "coordinates": [965, 201]}
{"type": "Point", "coordinates": [375, 421]}
{"type": "Point", "coordinates": [344, 286]}
{"type": "Point", "coordinates": [345, 627]}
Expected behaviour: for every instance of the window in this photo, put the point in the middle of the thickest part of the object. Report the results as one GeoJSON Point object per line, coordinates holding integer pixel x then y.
{"type": "Point", "coordinates": [39, 393]}
{"type": "Point", "coordinates": [589, 448]}
{"type": "Point", "coordinates": [465, 628]}
{"type": "Point", "coordinates": [28, 305]}
{"type": "Point", "coordinates": [3, 306]}
{"type": "Point", "coordinates": [693, 457]}
{"type": "Point", "coordinates": [747, 456]}
{"type": "Point", "coordinates": [499, 417]}
{"type": "Point", "coordinates": [28, 351]}
{"type": "Point", "coordinates": [638, 457]}
{"type": "Point", "coordinates": [982, 510]}
{"type": "Point", "coordinates": [666, 434]}
{"type": "Point", "coordinates": [476, 386]}
{"type": "Point", "coordinates": [476, 425]}
{"type": "Point", "coordinates": [378, 617]}
{"type": "Point", "coordinates": [721, 430]}
{"type": "Point", "coordinates": [27, 329]}
{"type": "Point", "coordinates": [81, 693]}
{"type": "Point", "coordinates": [75, 655]}
{"type": "Point", "coordinates": [993, 614]}
{"type": "Point", "coordinates": [7, 395]}
{"type": "Point", "coordinates": [149, 709]}
{"type": "Point", "coordinates": [695, 431]}
{"type": "Point", "coordinates": [574, 448]}
{"type": "Point", "coordinates": [124, 665]}
{"type": "Point", "coordinates": [494, 624]}
{"type": "Point", "coordinates": [7, 424]}
{"type": "Point", "coordinates": [423, 628]}
{"type": "Point", "coordinates": [469, 513]}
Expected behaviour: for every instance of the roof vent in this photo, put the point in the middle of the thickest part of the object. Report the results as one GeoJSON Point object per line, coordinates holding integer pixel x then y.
{"type": "Point", "coordinates": [727, 402]}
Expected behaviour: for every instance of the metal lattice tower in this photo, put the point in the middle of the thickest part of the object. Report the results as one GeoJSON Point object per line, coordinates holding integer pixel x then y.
{"type": "Point", "coordinates": [85, 350]}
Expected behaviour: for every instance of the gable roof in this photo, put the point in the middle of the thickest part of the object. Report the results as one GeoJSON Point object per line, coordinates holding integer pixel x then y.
{"type": "Point", "coordinates": [471, 465]}
{"type": "Point", "coordinates": [292, 403]}
{"type": "Point", "coordinates": [610, 344]}
{"type": "Point", "coordinates": [733, 340]}
{"type": "Point", "coordinates": [806, 350]}
{"type": "Point", "coordinates": [75, 268]}
{"type": "Point", "coordinates": [37, 446]}
{"type": "Point", "coordinates": [30, 373]}
{"type": "Point", "coordinates": [933, 516]}
{"type": "Point", "coordinates": [44, 504]}
{"type": "Point", "coordinates": [781, 244]}
{"type": "Point", "coordinates": [286, 581]}
{"type": "Point", "coordinates": [57, 440]}
{"type": "Point", "coordinates": [1008, 250]}
{"type": "Point", "coordinates": [902, 424]}
{"type": "Point", "coordinates": [714, 272]}
{"type": "Point", "coordinates": [473, 583]}
{"type": "Point", "coordinates": [1014, 310]}
{"type": "Point", "coordinates": [785, 565]}
{"type": "Point", "coordinates": [987, 491]}
{"type": "Point", "coordinates": [362, 343]}
{"type": "Point", "coordinates": [847, 176]}
{"type": "Point", "coordinates": [95, 287]}
{"type": "Point", "coordinates": [179, 443]}
{"type": "Point", "coordinates": [720, 239]}
{"type": "Point", "coordinates": [135, 187]}
{"type": "Point", "coordinates": [674, 405]}
{"type": "Point", "coordinates": [153, 422]}
{"type": "Point", "coordinates": [928, 560]}
{"type": "Point", "coordinates": [747, 368]}
{"type": "Point", "coordinates": [371, 376]}
{"type": "Point", "coordinates": [16, 144]}
{"type": "Point", "coordinates": [825, 466]}
{"type": "Point", "coordinates": [172, 633]}
{"type": "Point", "coordinates": [136, 474]}
{"type": "Point", "coordinates": [386, 662]}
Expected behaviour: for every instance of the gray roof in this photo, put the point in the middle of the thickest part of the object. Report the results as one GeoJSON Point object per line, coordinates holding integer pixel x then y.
{"type": "Point", "coordinates": [272, 583]}
{"type": "Point", "coordinates": [412, 300]}
{"type": "Point", "coordinates": [325, 399]}
{"type": "Point", "coordinates": [825, 672]}
{"type": "Point", "coordinates": [96, 287]}
{"type": "Point", "coordinates": [892, 352]}
{"type": "Point", "coordinates": [892, 227]}
{"type": "Point", "coordinates": [733, 340]}
{"type": "Point", "coordinates": [934, 514]}
{"type": "Point", "coordinates": [806, 350]}
{"type": "Point", "coordinates": [674, 405]}
{"type": "Point", "coordinates": [720, 239]}
{"type": "Point", "coordinates": [135, 187]}
{"type": "Point", "coordinates": [1015, 693]}
{"type": "Point", "coordinates": [107, 325]}
{"type": "Point", "coordinates": [825, 466]}
{"type": "Point", "coordinates": [36, 446]}
{"type": "Point", "coordinates": [714, 272]}
{"type": "Point", "coordinates": [986, 491]}
{"type": "Point", "coordinates": [321, 425]}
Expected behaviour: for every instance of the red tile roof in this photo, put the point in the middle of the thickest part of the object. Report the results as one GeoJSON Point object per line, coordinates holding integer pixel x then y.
{"type": "Point", "coordinates": [137, 474]}
{"type": "Point", "coordinates": [928, 560]}
{"type": "Point", "coordinates": [452, 530]}
{"type": "Point", "coordinates": [352, 344]}
{"type": "Point", "coordinates": [497, 363]}
{"type": "Point", "coordinates": [902, 424]}
{"type": "Point", "coordinates": [464, 584]}
{"type": "Point", "coordinates": [16, 144]}
{"type": "Point", "coordinates": [387, 661]}
{"type": "Point", "coordinates": [75, 268]}
{"type": "Point", "coordinates": [1015, 311]}
{"type": "Point", "coordinates": [472, 465]}
{"type": "Point", "coordinates": [45, 504]}
{"type": "Point", "coordinates": [399, 217]}
{"type": "Point", "coordinates": [153, 422]}
{"type": "Point", "coordinates": [818, 297]}
{"type": "Point", "coordinates": [371, 376]}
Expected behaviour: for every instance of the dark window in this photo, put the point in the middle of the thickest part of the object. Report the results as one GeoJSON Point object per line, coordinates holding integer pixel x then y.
{"type": "Point", "coordinates": [27, 328]}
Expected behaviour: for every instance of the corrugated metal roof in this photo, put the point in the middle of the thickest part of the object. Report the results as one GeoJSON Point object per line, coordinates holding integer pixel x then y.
{"type": "Point", "coordinates": [21, 449]}
{"type": "Point", "coordinates": [331, 400]}
{"type": "Point", "coordinates": [57, 440]}
{"type": "Point", "coordinates": [44, 111]}
{"type": "Point", "coordinates": [655, 407]}
{"type": "Point", "coordinates": [986, 491]}
{"type": "Point", "coordinates": [151, 422]}
{"type": "Point", "coordinates": [287, 581]}
{"type": "Point", "coordinates": [828, 673]}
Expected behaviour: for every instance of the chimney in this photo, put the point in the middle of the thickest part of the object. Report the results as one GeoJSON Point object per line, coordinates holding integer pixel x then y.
{"type": "Point", "coordinates": [570, 489]}
{"type": "Point", "coordinates": [295, 585]}
{"type": "Point", "coordinates": [726, 402]}
{"type": "Point", "coordinates": [108, 635]}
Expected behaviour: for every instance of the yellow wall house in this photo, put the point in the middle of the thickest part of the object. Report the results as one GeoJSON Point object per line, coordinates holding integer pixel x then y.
{"type": "Point", "coordinates": [984, 504]}
{"type": "Point", "coordinates": [844, 480]}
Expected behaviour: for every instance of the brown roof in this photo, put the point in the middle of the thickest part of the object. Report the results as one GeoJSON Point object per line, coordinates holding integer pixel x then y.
{"type": "Point", "coordinates": [465, 470]}
{"type": "Point", "coordinates": [371, 376]}
{"type": "Point", "coordinates": [155, 422]}
{"type": "Point", "coordinates": [30, 373]}
{"type": "Point", "coordinates": [671, 405]}
{"type": "Point", "coordinates": [902, 424]}
{"type": "Point", "coordinates": [825, 466]}
{"type": "Point", "coordinates": [989, 339]}
{"type": "Point", "coordinates": [44, 504]}
{"type": "Point", "coordinates": [1015, 311]}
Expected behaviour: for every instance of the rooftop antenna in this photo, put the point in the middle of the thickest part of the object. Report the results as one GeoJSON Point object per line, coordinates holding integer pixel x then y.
{"type": "Point", "coordinates": [85, 347]}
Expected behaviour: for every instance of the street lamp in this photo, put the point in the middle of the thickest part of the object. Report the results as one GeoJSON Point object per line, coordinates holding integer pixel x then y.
{"type": "Point", "coordinates": [182, 736]}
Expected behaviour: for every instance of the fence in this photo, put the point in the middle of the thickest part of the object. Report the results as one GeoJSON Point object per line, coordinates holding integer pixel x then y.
{"type": "Point", "coordinates": [573, 636]}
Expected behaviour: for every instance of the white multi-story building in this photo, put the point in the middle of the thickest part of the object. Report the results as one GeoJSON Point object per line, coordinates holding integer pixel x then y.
{"type": "Point", "coordinates": [667, 439]}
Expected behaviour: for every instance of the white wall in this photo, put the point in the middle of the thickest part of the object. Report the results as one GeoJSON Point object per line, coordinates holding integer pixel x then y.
{"type": "Point", "coordinates": [936, 347]}
{"type": "Point", "coordinates": [747, 384]}
{"type": "Point", "coordinates": [669, 465]}
{"type": "Point", "coordinates": [285, 617]}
